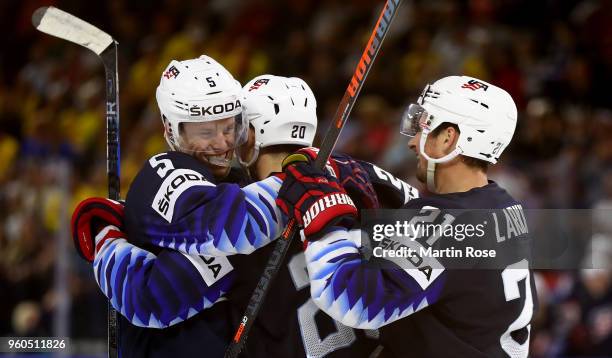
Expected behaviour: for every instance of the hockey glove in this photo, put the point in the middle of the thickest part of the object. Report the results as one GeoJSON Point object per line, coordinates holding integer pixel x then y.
{"type": "Point", "coordinates": [314, 198]}
{"type": "Point", "coordinates": [89, 219]}
{"type": "Point", "coordinates": [352, 176]}
{"type": "Point", "coordinates": [356, 181]}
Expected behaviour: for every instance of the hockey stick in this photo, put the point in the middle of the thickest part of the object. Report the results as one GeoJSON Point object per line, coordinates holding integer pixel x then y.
{"type": "Point", "coordinates": [342, 113]}
{"type": "Point", "coordinates": [58, 23]}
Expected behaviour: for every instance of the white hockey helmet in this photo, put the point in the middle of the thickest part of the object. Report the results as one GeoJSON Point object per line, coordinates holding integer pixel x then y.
{"type": "Point", "coordinates": [197, 91]}
{"type": "Point", "coordinates": [282, 110]}
{"type": "Point", "coordinates": [485, 114]}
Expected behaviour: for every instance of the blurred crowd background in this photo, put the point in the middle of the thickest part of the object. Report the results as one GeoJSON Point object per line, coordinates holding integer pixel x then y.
{"type": "Point", "coordinates": [554, 57]}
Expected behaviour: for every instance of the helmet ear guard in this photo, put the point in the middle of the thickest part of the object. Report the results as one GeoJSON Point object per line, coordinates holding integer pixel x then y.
{"type": "Point", "coordinates": [474, 143]}
{"type": "Point", "coordinates": [479, 144]}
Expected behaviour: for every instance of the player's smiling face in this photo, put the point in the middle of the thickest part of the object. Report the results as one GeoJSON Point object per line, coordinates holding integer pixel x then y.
{"type": "Point", "coordinates": [211, 142]}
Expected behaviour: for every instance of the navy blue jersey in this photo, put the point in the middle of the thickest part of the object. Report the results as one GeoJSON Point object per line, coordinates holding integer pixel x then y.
{"type": "Point", "coordinates": [427, 306]}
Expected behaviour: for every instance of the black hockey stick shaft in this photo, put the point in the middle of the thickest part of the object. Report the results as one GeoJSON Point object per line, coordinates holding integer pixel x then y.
{"type": "Point", "coordinates": [342, 113]}
{"type": "Point", "coordinates": [109, 57]}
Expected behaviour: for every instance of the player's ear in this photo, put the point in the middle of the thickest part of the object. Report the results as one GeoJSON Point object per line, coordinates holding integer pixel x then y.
{"type": "Point", "coordinates": [450, 136]}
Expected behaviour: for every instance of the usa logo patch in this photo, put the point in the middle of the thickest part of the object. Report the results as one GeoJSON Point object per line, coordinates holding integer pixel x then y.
{"type": "Point", "coordinates": [172, 72]}
{"type": "Point", "coordinates": [475, 85]}
{"type": "Point", "coordinates": [258, 84]}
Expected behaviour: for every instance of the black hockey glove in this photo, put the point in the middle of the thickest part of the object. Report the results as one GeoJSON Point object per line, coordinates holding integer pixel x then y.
{"type": "Point", "coordinates": [314, 198]}
{"type": "Point", "coordinates": [352, 177]}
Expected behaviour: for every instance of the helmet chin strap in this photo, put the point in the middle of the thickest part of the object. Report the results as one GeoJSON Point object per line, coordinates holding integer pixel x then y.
{"type": "Point", "coordinates": [431, 162]}
{"type": "Point", "coordinates": [169, 141]}
{"type": "Point", "coordinates": [431, 176]}
{"type": "Point", "coordinates": [253, 157]}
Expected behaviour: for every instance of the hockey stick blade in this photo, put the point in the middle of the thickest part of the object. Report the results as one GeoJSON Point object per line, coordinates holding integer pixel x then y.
{"type": "Point", "coordinates": [58, 23]}
{"type": "Point", "coordinates": [342, 113]}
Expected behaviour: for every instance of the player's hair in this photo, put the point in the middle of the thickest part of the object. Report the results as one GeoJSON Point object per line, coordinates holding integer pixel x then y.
{"type": "Point", "coordinates": [469, 161]}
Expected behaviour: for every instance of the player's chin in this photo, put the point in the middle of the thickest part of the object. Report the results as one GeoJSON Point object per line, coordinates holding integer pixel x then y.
{"type": "Point", "coordinates": [220, 167]}
{"type": "Point", "coordinates": [219, 164]}
{"type": "Point", "coordinates": [220, 171]}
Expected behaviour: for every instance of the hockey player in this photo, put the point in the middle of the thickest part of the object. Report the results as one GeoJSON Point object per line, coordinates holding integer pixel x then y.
{"type": "Point", "coordinates": [155, 287]}
{"type": "Point", "coordinates": [282, 118]}
{"type": "Point", "coordinates": [178, 214]}
{"type": "Point", "coordinates": [425, 306]}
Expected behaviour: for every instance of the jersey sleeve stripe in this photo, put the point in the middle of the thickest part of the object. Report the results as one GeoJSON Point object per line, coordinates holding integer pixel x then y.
{"type": "Point", "coordinates": [154, 291]}
{"type": "Point", "coordinates": [358, 295]}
